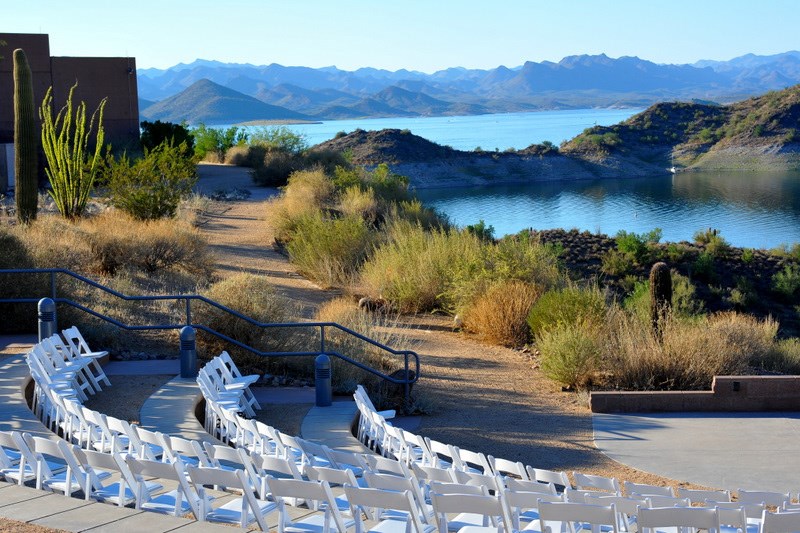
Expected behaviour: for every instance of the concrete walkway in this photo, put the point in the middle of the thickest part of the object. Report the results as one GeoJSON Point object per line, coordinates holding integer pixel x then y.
{"type": "Point", "coordinates": [754, 451]}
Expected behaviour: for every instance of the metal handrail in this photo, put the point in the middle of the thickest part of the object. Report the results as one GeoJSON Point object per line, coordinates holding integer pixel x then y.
{"type": "Point", "coordinates": [189, 298]}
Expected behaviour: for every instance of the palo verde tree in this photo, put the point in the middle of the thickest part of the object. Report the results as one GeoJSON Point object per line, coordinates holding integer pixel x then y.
{"type": "Point", "coordinates": [71, 167]}
{"type": "Point", "coordinates": [25, 145]}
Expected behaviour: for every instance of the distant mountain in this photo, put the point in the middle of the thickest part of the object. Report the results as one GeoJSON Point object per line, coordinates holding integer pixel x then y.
{"type": "Point", "coordinates": [574, 82]}
{"type": "Point", "coordinates": [210, 103]}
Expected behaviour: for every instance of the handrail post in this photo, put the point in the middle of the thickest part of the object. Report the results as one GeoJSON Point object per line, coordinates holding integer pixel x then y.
{"type": "Point", "coordinates": [47, 318]}
{"type": "Point", "coordinates": [188, 312]}
{"type": "Point", "coordinates": [406, 385]}
{"type": "Point", "coordinates": [53, 286]}
{"type": "Point", "coordinates": [322, 339]}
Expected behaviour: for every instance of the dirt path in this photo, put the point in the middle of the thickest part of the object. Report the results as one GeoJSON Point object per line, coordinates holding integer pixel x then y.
{"type": "Point", "coordinates": [487, 398]}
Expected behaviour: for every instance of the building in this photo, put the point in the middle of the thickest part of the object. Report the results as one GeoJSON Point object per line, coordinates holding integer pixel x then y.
{"type": "Point", "coordinates": [97, 77]}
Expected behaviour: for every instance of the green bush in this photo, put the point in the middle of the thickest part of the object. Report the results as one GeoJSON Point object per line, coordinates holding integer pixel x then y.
{"type": "Point", "coordinates": [703, 267]}
{"type": "Point", "coordinates": [414, 268]}
{"type": "Point", "coordinates": [684, 302]}
{"type": "Point", "coordinates": [157, 133]}
{"type": "Point", "coordinates": [153, 186]}
{"type": "Point", "coordinates": [570, 354]}
{"type": "Point", "coordinates": [714, 243]}
{"type": "Point", "coordinates": [213, 143]}
{"type": "Point", "coordinates": [636, 245]}
{"type": "Point", "coordinates": [280, 138]}
{"type": "Point", "coordinates": [329, 251]}
{"type": "Point", "coordinates": [568, 306]}
{"type": "Point", "coordinates": [616, 263]}
{"type": "Point", "coordinates": [786, 283]}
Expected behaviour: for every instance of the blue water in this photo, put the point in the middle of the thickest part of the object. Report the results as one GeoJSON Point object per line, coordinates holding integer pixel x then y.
{"type": "Point", "coordinates": [757, 210]}
{"type": "Point", "coordinates": [750, 209]}
{"type": "Point", "coordinates": [507, 130]}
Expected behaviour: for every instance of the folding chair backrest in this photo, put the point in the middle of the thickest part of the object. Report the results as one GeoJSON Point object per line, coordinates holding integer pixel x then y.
{"type": "Point", "coordinates": [559, 479]}
{"type": "Point", "coordinates": [203, 476]}
{"type": "Point", "coordinates": [457, 488]}
{"type": "Point", "coordinates": [317, 491]}
{"type": "Point", "coordinates": [333, 476]}
{"type": "Point", "coordinates": [432, 473]}
{"type": "Point", "coordinates": [508, 468]}
{"type": "Point", "coordinates": [592, 482]}
{"type": "Point", "coordinates": [275, 466]}
{"type": "Point", "coordinates": [776, 499]}
{"type": "Point", "coordinates": [491, 482]}
{"type": "Point", "coordinates": [522, 485]}
{"type": "Point", "coordinates": [377, 463]}
{"type": "Point", "coordinates": [348, 460]}
{"type": "Point", "coordinates": [701, 495]}
{"type": "Point", "coordinates": [650, 519]}
{"type": "Point", "coordinates": [641, 489]}
{"type": "Point", "coordinates": [667, 501]}
{"type": "Point", "coordinates": [144, 468]}
{"type": "Point", "coordinates": [780, 522]}
{"type": "Point", "coordinates": [751, 510]}
{"type": "Point", "coordinates": [473, 460]}
{"type": "Point", "coordinates": [397, 483]}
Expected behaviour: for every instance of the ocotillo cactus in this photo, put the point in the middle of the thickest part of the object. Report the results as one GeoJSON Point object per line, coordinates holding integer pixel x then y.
{"type": "Point", "coordinates": [660, 295]}
{"type": "Point", "coordinates": [25, 140]}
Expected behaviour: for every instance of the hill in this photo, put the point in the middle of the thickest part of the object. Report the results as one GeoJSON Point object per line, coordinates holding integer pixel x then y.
{"type": "Point", "coordinates": [210, 103]}
{"type": "Point", "coordinates": [761, 133]}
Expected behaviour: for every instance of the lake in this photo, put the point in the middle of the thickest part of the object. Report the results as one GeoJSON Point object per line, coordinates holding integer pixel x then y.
{"type": "Point", "coordinates": [750, 209]}
{"type": "Point", "coordinates": [757, 210]}
{"type": "Point", "coordinates": [506, 130]}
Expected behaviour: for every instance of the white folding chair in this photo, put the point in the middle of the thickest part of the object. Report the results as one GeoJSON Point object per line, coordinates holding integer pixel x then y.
{"type": "Point", "coordinates": [555, 517]}
{"type": "Point", "coordinates": [233, 459]}
{"type": "Point", "coordinates": [522, 485]}
{"type": "Point", "coordinates": [465, 517]}
{"type": "Point", "coordinates": [151, 442]}
{"type": "Point", "coordinates": [79, 347]}
{"type": "Point", "coordinates": [190, 452]}
{"type": "Point", "coordinates": [677, 519]}
{"type": "Point", "coordinates": [384, 465]}
{"type": "Point", "coordinates": [318, 495]}
{"type": "Point", "coordinates": [347, 460]}
{"type": "Point", "coordinates": [491, 482]}
{"type": "Point", "coordinates": [373, 502]}
{"type": "Point", "coordinates": [397, 483]}
{"type": "Point", "coordinates": [667, 501]}
{"type": "Point", "coordinates": [241, 511]}
{"type": "Point", "coordinates": [524, 507]}
{"type": "Point", "coordinates": [470, 461]}
{"type": "Point", "coordinates": [738, 518]}
{"type": "Point", "coordinates": [64, 361]}
{"type": "Point", "coordinates": [492, 511]}
{"type": "Point", "coordinates": [334, 477]}
{"type": "Point", "coordinates": [627, 507]}
{"type": "Point", "coordinates": [57, 469]}
{"type": "Point", "coordinates": [97, 466]}
{"type": "Point", "coordinates": [442, 454]}
{"type": "Point", "coordinates": [177, 502]}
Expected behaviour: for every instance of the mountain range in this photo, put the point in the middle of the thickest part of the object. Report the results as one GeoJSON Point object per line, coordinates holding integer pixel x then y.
{"type": "Point", "coordinates": [215, 93]}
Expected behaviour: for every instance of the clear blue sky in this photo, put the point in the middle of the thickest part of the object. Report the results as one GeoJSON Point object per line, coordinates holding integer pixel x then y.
{"type": "Point", "coordinates": [424, 35]}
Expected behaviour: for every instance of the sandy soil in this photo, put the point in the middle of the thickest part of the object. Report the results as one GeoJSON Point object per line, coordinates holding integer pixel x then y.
{"type": "Point", "coordinates": [486, 398]}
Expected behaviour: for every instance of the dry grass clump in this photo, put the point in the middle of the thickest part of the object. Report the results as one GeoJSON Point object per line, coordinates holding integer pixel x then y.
{"type": "Point", "coordinates": [571, 353]}
{"type": "Point", "coordinates": [252, 296]}
{"type": "Point", "coordinates": [307, 192]}
{"type": "Point", "coordinates": [360, 203]}
{"type": "Point", "coordinates": [499, 314]}
{"type": "Point", "coordinates": [690, 354]}
{"type": "Point", "coordinates": [380, 327]}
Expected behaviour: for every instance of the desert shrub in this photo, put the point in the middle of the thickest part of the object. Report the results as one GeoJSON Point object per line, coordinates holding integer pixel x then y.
{"type": "Point", "coordinates": [784, 358]}
{"type": "Point", "coordinates": [567, 306]}
{"type": "Point", "coordinates": [118, 242]}
{"type": "Point", "coordinates": [18, 317]}
{"type": "Point", "coordinates": [636, 246]}
{"type": "Point", "coordinates": [786, 283]}
{"type": "Point", "coordinates": [499, 314]}
{"type": "Point", "coordinates": [413, 269]}
{"type": "Point", "coordinates": [307, 192]}
{"type": "Point", "coordinates": [616, 263]}
{"type": "Point", "coordinates": [482, 231]}
{"type": "Point", "coordinates": [377, 326]}
{"type": "Point", "coordinates": [416, 213]}
{"type": "Point", "coordinates": [570, 353]}
{"type": "Point", "coordinates": [714, 243]}
{"type": "Point", "coordinates": [279, 137]}
{"type": "Point", "coordinates": [519, 257]}
{"type": "Point", "coordinates": [329, 250]}
{"type": "Point", "coordinates": [327, 160]}
{"type": "Point", "coordinates": [252, 296]}
{"type": "Point", "coordinates": [276, 167]}
{"type": "Point", "coordinates": [54, 242]}
{"type": "Point", "coordinates": [684, 302]}
{"type": "Point", "coordinates": [703, 267]}
{"type": "Point", "coordinates": [690, 353]}
{"type": "Point", "coordinates": [153, 186]}
{"type": "Point", "coordinates": [361, 204]}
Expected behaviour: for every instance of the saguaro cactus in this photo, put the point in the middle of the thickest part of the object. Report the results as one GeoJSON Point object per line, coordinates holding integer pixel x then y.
{"type": "Point", "coordinates": [660, 295]}
{"type": "Point", "coordinates": [25, 140]}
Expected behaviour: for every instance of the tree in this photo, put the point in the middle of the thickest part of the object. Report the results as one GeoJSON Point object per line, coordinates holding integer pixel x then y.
{"type": "Point", "coordinates": [70, 167]}
{"type": "Point", "coordinates": [156, 133]}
